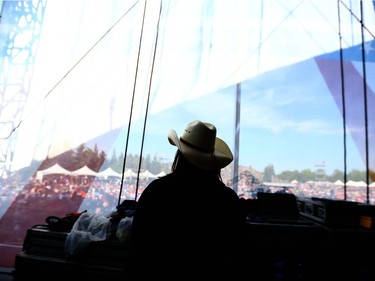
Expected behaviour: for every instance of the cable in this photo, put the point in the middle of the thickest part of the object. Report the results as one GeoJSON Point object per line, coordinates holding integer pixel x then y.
{"type": "Point", "coordinates": [132, 103]}
{"type": "Point", "coordinates": [148, 99]}
{"type": "Point", "coordinates": [359, 20]}
{"type": "Point", "coordinates": [260, 34]}
{"type": "Point", "coordinates": [365, 106]}
{"type": "Point", "coordinates": [70, 70]}
{"type": "Point", "coordinates": [342, 76]}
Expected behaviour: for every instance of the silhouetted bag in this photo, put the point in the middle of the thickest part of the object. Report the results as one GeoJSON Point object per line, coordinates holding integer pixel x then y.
{"type": "Point", "coordinates": [63, 224]}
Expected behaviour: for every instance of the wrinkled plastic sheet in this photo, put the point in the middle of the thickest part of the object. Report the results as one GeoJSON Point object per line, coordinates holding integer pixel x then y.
{"type": "Point", "coordinates": [88, 228]}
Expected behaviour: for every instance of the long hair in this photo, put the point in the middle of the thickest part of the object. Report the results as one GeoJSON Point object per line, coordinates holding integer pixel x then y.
{"type": "Point", "coordinates": [182, 165]}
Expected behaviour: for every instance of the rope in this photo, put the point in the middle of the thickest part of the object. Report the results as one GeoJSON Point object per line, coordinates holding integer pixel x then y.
{"type": "Point", "coordinates": [342, 76]}
{"type": "Point", "coordinates": [365, 106]}
{"type": "Point", "coordinates": [132, 104]}
{"type": "Point", "coordinates": [69, 71]}
{"type": "Point", "coordinates": [148, 100]}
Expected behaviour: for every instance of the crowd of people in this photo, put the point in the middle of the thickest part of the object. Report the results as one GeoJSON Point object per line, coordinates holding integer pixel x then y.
{"type": "Point", "coordinates": [206, 159]}
{"type": "Point", "coordinates": [58, 195]}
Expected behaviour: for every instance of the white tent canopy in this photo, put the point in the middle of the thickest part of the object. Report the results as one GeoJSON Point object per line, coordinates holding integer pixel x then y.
{"type": "Point", "coordinates": [84, 171]}
{"type": "Point", "coordinates": [356, 183]}
{"type": "Point", "coordinates": [129, 173]}
{"type": "Point", "coordinates": [161, 174]}
{"type": "Point", "coordinates": [109, 172]}
{"type": "Point", "coordinates": [338, 183]}
{"type": "Point", "coordinates": [55, 169]}
{"type": "Point", "coordinates": [147, 174]}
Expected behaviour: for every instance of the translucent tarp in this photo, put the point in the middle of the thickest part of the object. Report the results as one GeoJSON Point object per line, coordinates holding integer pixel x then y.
{"type": "Point", "coordinates": [287, 83]}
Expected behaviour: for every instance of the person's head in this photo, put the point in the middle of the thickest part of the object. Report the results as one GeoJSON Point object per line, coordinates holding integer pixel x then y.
{"type": "Point", "coordinates": [200, 146]}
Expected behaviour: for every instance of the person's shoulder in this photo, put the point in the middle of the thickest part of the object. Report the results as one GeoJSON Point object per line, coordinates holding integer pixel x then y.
{"type": "Point", "coordinates": [161, 180]}
{"type": "Point", "coordinates": [158, 184]}
{"type": "Point", "coordinates": [230, 191]}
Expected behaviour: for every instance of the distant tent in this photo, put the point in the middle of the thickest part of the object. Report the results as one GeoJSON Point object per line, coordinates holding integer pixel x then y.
{"type": "Point", "coordinates": [361, 184]}
{"type": "Point", "coordinates": [147, 174]}
{"type": "Point", "coordinates": [55, 170]}
{"type": "Point", "coordinates": [338, 183]}
{"type": "Point", "coordinates": [356, 183]}
{"type": "Point", "coordinates": [84, 171]}
{"type": "Point", "coordinates": [109, 172]}
{"type": "Point", "coordinates": [161, 174]}
{"type": "Point", "coordinates": [129, 173]}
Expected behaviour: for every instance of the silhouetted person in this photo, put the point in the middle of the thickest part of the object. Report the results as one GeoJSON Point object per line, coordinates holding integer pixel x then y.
{"type": "Point", "coordinates": [188, 223]}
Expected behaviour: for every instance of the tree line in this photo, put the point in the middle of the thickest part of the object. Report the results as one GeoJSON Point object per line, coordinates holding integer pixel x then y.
{"type": "Point", "coordinates": [98, 160]}
{"type": "Point", "coordinates": [309, 175]}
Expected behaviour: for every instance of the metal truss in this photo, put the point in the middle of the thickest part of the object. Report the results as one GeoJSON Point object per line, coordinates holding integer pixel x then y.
{"type": "Point", "coordinates": [20, 29]}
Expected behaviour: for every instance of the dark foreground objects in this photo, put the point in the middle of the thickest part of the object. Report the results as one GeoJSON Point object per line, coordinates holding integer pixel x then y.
{"type": "Point", "coordinates": [188, 224]}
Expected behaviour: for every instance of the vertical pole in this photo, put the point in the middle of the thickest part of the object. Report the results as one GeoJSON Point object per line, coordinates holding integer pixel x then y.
{"type": "Point", "coordinates": [237, 137]}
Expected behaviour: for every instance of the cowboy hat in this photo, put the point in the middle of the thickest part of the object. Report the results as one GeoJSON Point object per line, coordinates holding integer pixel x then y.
{"type": "Point", "coordinates": [201, 147]}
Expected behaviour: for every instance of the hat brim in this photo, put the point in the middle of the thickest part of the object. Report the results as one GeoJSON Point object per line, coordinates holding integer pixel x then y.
{"type": "Point", "coordinates": [173, 139]}
{"type": "Point", "coordinates": [221, 157]}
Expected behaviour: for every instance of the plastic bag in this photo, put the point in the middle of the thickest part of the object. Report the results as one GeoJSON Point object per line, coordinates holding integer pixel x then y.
{"type": "Point", "coordinates": [124, 229]}
{"type": "Point", "coordinates": [87, 228]}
